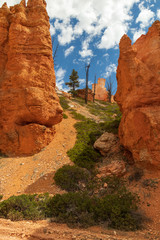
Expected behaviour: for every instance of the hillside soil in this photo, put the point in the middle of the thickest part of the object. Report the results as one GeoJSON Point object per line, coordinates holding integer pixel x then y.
{"type": "Point", "coordinates": [35, 175]}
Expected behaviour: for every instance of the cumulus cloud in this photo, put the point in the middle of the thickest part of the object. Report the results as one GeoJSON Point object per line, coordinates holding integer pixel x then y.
{"type": "Point", "coordinates": [81, 81]}
{"type": "Point", "coordinates": [137, 34]}
{"type": "Point", "coordinates": [158, 13]}
{"type": "Point", "coordinates": [85, 52]}
{"type": "Point", "coordinates": [52, 30]}
{"type": "Point", "coordinates": [68, 51]}
{"type": "Point", "coordinates": [110, 69]}
{"type": "Point", "coordinates": [145, 17]}
{"type": "Point", "coordinates": [10, 2]}
{"type": "Point", "coordinates": [107, 19]}
{"type": "Point", "coordinates": [60, 74]}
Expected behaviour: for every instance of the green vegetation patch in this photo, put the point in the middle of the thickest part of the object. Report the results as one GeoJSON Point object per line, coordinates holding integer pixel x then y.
{"type": "Point", "coordinates": [105, 111]}
{"type": "Point", "coordinates": [64, 103]}
{"type": "Point", "coordinates": [77, 116]}
{"type": "Point", "coordinates": [80, 209]}
{"type": "Point", "coordinates": [24, 207]}
{"type": "Point", "coordinates": [71, 178]}
{"type": "Point", "coordinates": [65, 116]}
{"type": "Point", "coordinates": [83, 153]}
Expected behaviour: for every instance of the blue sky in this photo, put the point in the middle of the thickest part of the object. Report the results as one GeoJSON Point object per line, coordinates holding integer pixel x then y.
{"type": "Point", "coordinates": [90, 31]}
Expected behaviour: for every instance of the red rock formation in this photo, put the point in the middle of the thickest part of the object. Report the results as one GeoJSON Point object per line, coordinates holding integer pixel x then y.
{"type": "Point", "coordinates": [81, 93]}
{"type": "Point", "coordinates": [138, 96]}
{"type": "Point", "coordinates": [29, 106]}
{"type": "Point", "coordinates": [100, 90]}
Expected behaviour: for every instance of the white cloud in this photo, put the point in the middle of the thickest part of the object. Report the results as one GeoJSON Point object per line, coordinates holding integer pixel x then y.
{"type": "Point", "coordinates": [145, 17]}
{"type": "Point", "coordinates": [137, 34]}
{"type": "Point", "coordinates": [110, 69]}
{"type": "Point", "coordinates": [81, 81]}
{"type": "Point", "coordinates": [52, 30]}
{"type": "Point", "coordinates": [10, 2]}
{"type": "Point", "coordinates": [60, 74]}
{"type": "Point", "coordinates": [158, 13]}
{"type": "Point", "coordinates": [68, 51]}
{"type": "Point", "coordinates": [107, 19]}
{"type": "Point", "coordinates": [85, 52]}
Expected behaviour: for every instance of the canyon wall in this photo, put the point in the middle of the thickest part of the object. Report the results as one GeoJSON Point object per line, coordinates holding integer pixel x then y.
{"type": "Point", "coordinates": [29, 106]}
{"type": "Point", "coordinates": [138, 96]}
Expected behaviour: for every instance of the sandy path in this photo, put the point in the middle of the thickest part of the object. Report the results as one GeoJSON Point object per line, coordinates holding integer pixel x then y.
{"type": "Point", "coordinates": [43, 230]}
{"type": "Point", "coordinates": [35, 174]}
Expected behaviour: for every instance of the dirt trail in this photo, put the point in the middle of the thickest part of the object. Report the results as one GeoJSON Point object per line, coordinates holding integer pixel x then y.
{"type": "Point", "coordinates": [35, 174]}
{"type": "Point", "coordinates": [43, 230]}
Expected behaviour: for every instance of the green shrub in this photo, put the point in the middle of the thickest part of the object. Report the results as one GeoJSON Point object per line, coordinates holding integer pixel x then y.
{"type": "Point", "coordinates": [118, 210]}
{"type": "Point", "coordinates": [65, 116]}
{"type": "Point", "coordinates": [77, 116]}
{"type": "Point", "coordinates": [70, 178]}
{"type": "Point", "coordinates": [136, 175]}
{"type": "Point", "coordinates": [27, 207]}
{"type": "Point", "coordinates": [111, 126]}
{"type": "Point", "coordinates": [79, 209]}
{"type": "Point", "coordinates": [64, 103]}
{"type": "Point", "coordinates": [1, 196]}
{"type": "Point", "coordinates": [83, 153]}
{"type": "Point", "coordinates": [73, 209]}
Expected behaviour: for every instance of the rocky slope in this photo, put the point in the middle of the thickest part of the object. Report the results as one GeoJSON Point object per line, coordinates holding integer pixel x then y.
{"type": "Point", "coordinates": [138, 76]}
{"type": "Point", "coordinates": [34, 174]}
{"type": "Point", "coordinates": [29, 106]}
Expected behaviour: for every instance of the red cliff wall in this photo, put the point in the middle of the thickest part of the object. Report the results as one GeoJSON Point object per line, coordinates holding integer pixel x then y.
{"type": "Point", "coordinates": [138, 96]}
{"type": "Point", "coordinates": [29, 106]}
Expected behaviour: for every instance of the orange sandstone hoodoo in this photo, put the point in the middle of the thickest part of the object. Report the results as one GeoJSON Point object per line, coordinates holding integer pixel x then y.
{"type": "Point", "coordinates": [138, 96]}
{"type": "Point", "coordinates": [100, 91]}
{"type": "Point", "coordinates": [29, 106]}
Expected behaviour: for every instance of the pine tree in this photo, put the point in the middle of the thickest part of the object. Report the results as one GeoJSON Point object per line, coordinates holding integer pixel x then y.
{"type": "Point", "coordinates": [73, 83]}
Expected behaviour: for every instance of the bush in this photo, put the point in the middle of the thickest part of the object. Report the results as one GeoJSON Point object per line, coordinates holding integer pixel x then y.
{"type": "Point", "coordinates": [73, 208]}
{"type": "Point", "coordinates": [70, 178]}
{"type": "Point", "coordinates": [118, 210]}
{"type": "Point", "coordinates": [27, 207]}
{"type": "Point", "coordinates": [136, 175]}
{"type": "Point", "coordinates": [77, 116]}
{"type": "Point", "coordinates": [65, 116]}
{"type": "Point", "coordinates": [111, 126]}
{"type": "Point", "coordinates": [79, 209]}
{"type": "Point", "coordinates": [64, 103]}
{"type": "Point", "coordinates": [83, 153]}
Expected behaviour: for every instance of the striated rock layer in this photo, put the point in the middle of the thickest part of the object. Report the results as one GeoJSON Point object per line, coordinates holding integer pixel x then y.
{"type": "Point", "coordinates": [138, 96]}
{"type": "Point", "coordinates": [29, 106]}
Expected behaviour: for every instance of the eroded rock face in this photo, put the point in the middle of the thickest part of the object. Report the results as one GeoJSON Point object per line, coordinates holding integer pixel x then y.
{"type": "Point", "coordinates": [100, 90]}
{"type": "Point", "coordinates": [138, 96]}
{"type": "Point", "coordinates": [82, 93]}
{"type": "Point", "coordinates": [29, 106]}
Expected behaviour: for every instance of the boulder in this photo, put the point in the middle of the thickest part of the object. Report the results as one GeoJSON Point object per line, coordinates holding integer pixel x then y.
{"type": "Point", "coordinates": [108, 143]}
{"type": "Point", "coordinates": [115, 168]}
{"type": "Point", "coordinates": [138, 95]}
{"type": "Point", "coordinates": [29, 106]}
